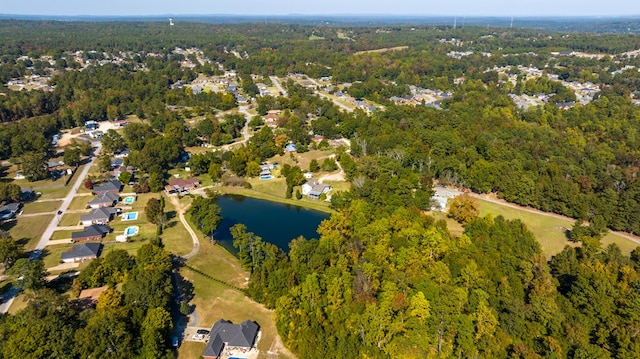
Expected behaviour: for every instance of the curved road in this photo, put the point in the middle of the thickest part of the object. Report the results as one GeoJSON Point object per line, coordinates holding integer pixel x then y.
{"type": "Point", "coordinates": [48, 232]}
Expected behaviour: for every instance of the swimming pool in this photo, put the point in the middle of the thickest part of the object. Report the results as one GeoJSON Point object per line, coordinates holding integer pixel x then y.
{"type": "Point", "coordinates": [131, 231]}
{"type": "Point", "coordinates": [130, 216]}
{"type": "Point", "coordinates": [129, 200]}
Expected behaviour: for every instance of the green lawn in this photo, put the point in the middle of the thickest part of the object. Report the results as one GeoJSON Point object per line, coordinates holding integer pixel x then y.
{"type": "Point", "coordinates": [52, 254]}
{"type": "Point", "coordinates": [28, 230]}
{"type": "Point", "coordinates": [80, 202]}
{"type": "Point", "coordinates": [550, 231]}
{"type": "Point", "coordinates": [58, 192]}
{"type": "Point", "coordinates": [70, 219]}
{"type": "Point", "coordinates": [61, 234]}
{"type": "Point", "coordinates": [41, 207]}
{"type": "Point", "coordinates": [175, 237]}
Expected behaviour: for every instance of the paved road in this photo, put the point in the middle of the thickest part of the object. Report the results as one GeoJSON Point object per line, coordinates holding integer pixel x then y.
{"type": "Point", "coordinates": [276, 83]}
{"type": "Point", "coordinates": [48, 232]}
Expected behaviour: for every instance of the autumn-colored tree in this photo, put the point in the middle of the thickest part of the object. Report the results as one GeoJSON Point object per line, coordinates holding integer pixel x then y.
{"type": "Point", "coordinates": [463, 208]}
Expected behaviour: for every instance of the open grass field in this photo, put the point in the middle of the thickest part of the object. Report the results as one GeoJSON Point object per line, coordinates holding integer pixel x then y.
{"type": "Point", "coordinates": [70, 219]}
{"type": "Point", "coordinates": [214, 300]}
{"type": "Point", "coordinates": [28, 230]}
{"type": "Point", "coordinates": [63, 234]}
{"type": "Point", "coordinates": [41, 207]}
{"type": "Point", "coordinates": [549, 231]}
{"type": "Point", "coordinates": [54, 192]}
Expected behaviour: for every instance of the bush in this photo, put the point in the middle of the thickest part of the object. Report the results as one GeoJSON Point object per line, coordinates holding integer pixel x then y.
{"type": "Point", "coordinates": [247, 185]}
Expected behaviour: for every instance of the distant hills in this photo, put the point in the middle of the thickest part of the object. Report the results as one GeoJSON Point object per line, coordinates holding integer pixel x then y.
{"type": "Point", "coordinates": [620, 25]}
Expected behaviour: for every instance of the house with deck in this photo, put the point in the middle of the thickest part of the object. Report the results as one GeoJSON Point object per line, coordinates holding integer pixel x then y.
{"type": "Point", "coordinates": [313, 189]}
{"type": "Point", "coordinates": [227, 336]}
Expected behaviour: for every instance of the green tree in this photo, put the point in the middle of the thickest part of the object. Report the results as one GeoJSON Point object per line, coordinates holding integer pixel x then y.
{"type": "Point", "coordinates": [314, 166]}
{"type": "Point", "coordinates": [10, 252]}
{"type": "Point", "coordinates": [29, 274]}
{"type": "Point", "coordinates": [154, 212]}
{"type": "Point", "coordinates": [72, 156]}
{"type": "Point", "coordinates": [205, 213]}
{"type": "Point", "coordinates": [33, 166]}
{"type": "Point", "coordinates": [155, 331]}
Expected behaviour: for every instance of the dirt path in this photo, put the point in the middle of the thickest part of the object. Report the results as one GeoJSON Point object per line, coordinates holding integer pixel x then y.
{"type": "Point", "coordinates": [333, 176]}
{"type": "Point", "coordinates": [180, 210]}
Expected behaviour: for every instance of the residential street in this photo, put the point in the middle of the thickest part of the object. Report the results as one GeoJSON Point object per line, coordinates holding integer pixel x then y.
{"type": "Point", "coordinates": [8, 298]}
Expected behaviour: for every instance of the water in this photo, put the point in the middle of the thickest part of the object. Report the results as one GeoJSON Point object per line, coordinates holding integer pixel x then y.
{"type": "Point", "coordinates": [276, 223]}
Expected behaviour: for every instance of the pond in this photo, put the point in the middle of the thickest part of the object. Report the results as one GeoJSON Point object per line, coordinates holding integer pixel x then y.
{"type": "Point", "coordinates": [276, 223]}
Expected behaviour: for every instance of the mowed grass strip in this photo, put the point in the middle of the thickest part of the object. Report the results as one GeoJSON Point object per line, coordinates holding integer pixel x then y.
{"type": "Point", "coordinates": [549, 231]}
{"type": "Point", "coordinates": [41, 207]}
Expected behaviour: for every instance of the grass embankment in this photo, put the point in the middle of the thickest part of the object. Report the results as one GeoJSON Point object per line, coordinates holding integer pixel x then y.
{"type": "Point", "coordinates": [41, 207]}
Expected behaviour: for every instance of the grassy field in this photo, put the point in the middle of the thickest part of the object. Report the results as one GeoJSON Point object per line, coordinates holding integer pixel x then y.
{"type": "Point", "coordinates": [58, 192]}
{"type": "Point", "coordinates": [550, 231]}
{"type": "Point", "coordinates": [214, 300]}
{"type": "Point", "coordinates": [41, 207]}
{"type": "Point", "coordinates": [70, 219]}
{"type": "Point", "coordinates": [175, 237]}
{"type": "Point", "coordinates": [28, 230]}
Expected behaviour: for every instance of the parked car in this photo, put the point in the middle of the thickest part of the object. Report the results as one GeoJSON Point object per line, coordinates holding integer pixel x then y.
{"type": "Point", "coordinates": [198, 337]}
{"type": "Point", "coordinates": [203, 331]}
{"type": "Point", "coordinates": [175, 342]}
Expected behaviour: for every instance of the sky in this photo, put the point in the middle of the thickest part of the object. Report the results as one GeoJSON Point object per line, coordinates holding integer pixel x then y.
{"type": "Point", "coordinates": [323, 7]}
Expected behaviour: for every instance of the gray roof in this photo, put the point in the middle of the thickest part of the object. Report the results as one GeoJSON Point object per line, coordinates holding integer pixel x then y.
{"type": "Point", "coordinates": [99, 213]}
{"type": "Point", "coordinates": [107, 197]}
{"type": "Point", "coordinates": [92, 231]}
{"type": "Point", "coordinates": [84, 250]}
{"type": "Point", "coordinates": [108, 186]}
{"type": "Point", "coordinates": [235, 335]}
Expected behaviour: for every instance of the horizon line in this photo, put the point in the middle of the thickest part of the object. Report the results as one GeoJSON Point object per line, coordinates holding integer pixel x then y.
{"type": "Point", "coordinates": [329, 15]}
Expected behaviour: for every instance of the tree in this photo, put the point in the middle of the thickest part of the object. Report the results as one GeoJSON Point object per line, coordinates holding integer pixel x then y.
{"type": "Point", "coordinates": [72, 156]}
{"type": "Point", "coordinates": [205, 213]}
{"type": "Point", "coordinates": [155, 331]}
{"type": "Point", "coordinates": [125, 177]}
{"type": "Point", "coordinates": [108, 334]}
{"type": "Point", "coordinates": [33, 166]}
{"type": "Point", "coordinates": [88, 184]}
{"type": "Point", "coordinates": [463, 208]}
{"type": "Point", "coordinates": [314, 166]}
{"type": "Point", "coordinates": [10, 252]}
{"type": "Point", "coordinates": [154, 212]}
{"type": "Point", "coordinates": [104, 163]}
{"type": "Point", "coordinates": [29, 274]}
{"type": "Point", "coordinates": [253, 169]}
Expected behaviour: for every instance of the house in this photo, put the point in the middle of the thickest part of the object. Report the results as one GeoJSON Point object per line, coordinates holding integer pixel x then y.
{"type": "Point", "coordinates": [290, 147]}
{"type": "Point", "coordinates": [313, 189]}
{"type": "Point", "coordinates": [54, 165]}
{"type": "Point", "coordinates": [117, 162]}
{"type": "Point", "coordinates": [10, 210]}
{"type": "Point", "coordinates": [107, 199]}
{"type": "Point", "coordinates": [81, 252]}
{"type": "Point", "coordinates": [101, 215]}
{"type": "Point", "coordinates": [93, 232]}
{"type": "Point", "coordinates": [122, 154]}
{"type": "Point", "coordinates": [96, 134]}
{"type": "Point", "coordinates": [113, 186]}
{"type": "Point", "coordinates": [120, 123]}
{"type": "Point", "coordinates": [178, 185]}
{"type": "Point", "coordinates": [226, 334]}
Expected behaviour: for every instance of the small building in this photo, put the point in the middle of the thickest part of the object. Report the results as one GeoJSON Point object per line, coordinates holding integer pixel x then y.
{"type": "Point", "coordinates": [178, 185]}
{"type": "Point", "coordinates": [93, 232]}
{"type": "Point", "coordinates": [107, 199]}
{"type": "Point", "coordinates": [225, 334]}
{"type": "Point", "coordinates": [9, 211]}
{"type": "Point", "coordinates": [313, 189]}
{"type": "Point", "coordinates": [54, 165]}
{"type": "Point", "coordinates": [82, 252]}
{"type": "Point", "coordinates": [91, 125]}
{"type": "Point", "coordinates": [113, 186]}
{"type": "Point", "coordinates": [101, 215]}
{"type": "Point", "coordinates": [122, 154]}
{"type": "Point", "coordinates": [290, 147]}
{"type": "Point", "coordinates": [96, 134]}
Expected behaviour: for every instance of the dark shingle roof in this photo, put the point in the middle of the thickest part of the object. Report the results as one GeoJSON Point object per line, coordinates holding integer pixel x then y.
{"type": "Point", "coordinates": [83, 250]}
{"type": "Point", "coordinates": [92, 231]}
{"type": "Point", "coordinates": [108, 186]}
{"type": "Point", "coordinates": [235, 335]}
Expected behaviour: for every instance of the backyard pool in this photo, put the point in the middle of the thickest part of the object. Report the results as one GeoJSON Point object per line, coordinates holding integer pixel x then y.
{"type": "Point", "coordinates": [130, 216]}
{"type": "Point", "coordinates": [131, 231]}
{"type": "Point", "coordinates": [129, 200]}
